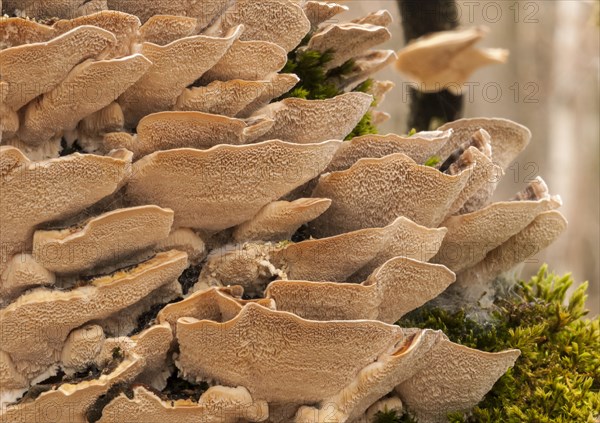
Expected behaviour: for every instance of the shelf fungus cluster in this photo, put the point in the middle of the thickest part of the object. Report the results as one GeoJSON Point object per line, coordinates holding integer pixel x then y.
{"type": "Point", "coordinates": [178, 243]}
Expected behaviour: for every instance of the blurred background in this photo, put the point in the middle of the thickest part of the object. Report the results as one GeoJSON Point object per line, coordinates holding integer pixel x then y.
{"type": "Point", "coordinates": [551, 85]}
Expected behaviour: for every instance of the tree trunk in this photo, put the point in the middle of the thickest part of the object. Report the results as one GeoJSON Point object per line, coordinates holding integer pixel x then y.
{"type": "Point", "coordinates": [430, 110]}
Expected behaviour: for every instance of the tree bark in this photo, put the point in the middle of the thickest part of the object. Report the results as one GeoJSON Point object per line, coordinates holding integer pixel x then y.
{"type": "Point", "coordinates": [428, 111]}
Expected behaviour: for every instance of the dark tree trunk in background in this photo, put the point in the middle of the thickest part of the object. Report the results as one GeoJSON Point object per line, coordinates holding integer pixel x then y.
{"type": "Point", "coordinates": [420, 17]}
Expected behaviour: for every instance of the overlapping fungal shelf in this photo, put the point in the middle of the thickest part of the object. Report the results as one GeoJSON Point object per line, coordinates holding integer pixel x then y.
{"type": "Point", "coordinates": [211, 254]}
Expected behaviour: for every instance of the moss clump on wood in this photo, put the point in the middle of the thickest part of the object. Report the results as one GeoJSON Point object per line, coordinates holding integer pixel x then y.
{"type": "Point", "coordinates": [557, 377]}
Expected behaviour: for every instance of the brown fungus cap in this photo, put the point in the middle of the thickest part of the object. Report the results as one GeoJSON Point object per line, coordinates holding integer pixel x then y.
{"type": "Point", "coordinates": [216, 304]}
{"type": "Point", "coordinates": [374, 192]}
{"type": "Point", "coordinates": [483, 179]}
{"type": "Point", "coordinates": [204, 12]}
{"type": "Point", "coordinates": [70, 402]}
{"type": "Point", "coordinates": [319, 12]}
{"type": "Point", "coordinates": [49, 9]}
{"type": "Point", "coordinates": [539, 234]}
{"type": "Point", "coordinates": [160, 87]}
{"type": "Point", "coordinates": [423, 365]}
{"type": "Point", "coordinates": [17, 31]}
{"type": "Point", "coordinates": [142, 354]}
{"type": "Point", "coordinates": [418, 147]}
{"type": "Point", "coordinates": [404, 238]}
{"type": "Point", "coordinates": [396, 288]}
{"type": "Point", "coordinates": [306, 360]}
{"type": "Point", "coordinates": [219, 404]}
{"type": "Point", "coordinates": [225, 98]}
{"type": "Point", "coordinates": [279, 220]}
{"type": "Point", "coordinates": [348, 40]}
{"type": "Point", "coordinates": [247, 60]}
{"type": "Point", "coordinates": [123, 26]}
{"type": "Point", "coordinates": [34, 69]}
{"type": "Point", "coordinates": [278, 85]}
{"type": "Point", "coordinates": [36, 192]}
{"type": "Point", "coordinates": [171, 130]}
{"type": "Point", "coordinates": [508, 139]}
{"type": "Point", "coordinates": [365, 65]}
{"type": "Point", "coordinates": [47, 317]}
{"type": "Point", "coordinates": [109, 237]}
{"type": "Point", "coordinates": [330, 259]}
{"type": "Point", "coordinates": [201, 185]}
{"type": "Point", "coordinates": [89, 87]}
{"type": "Point", "coordinates": [186, 240]}
{"type": "Point", "coordinates": [445, 60]}
{"type": "Point", "coordinates": [164, 29]}
{"type": "Point", "coordinates": [471, 236]}
{"type": "Point", "coordinates": [452, 378]}
{"type": "Point", "coordinates": [23, 272]}
{"type": "Point", "coordinates": [307, 121]}
{"type": "Point", "coordinates": [278, 21]}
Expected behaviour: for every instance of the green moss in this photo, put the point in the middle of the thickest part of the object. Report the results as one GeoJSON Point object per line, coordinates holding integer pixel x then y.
{"type": "Point", "coordinates": [317, 83]}
{"type": "Point", "coordinates": [365, 87]}
{"type": "Point", "coordinates": [433, 161]}
{"type": "Point", "coordinates": [364, 127]}
{"type": "Point", "coordinates": [557, 377]}
{"type": "Point", "coordinates": [309, 66]}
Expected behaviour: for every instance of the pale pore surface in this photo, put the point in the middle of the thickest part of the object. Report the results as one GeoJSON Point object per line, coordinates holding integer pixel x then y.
{"type": "Point", "coordinates": [226, 185]}
{"type": "Point", "coordinates": [36, 192]}
{"type": "Point", "coordinates": [471, 236]}
{"type": "Point", "coordinates": [419, 147]}
{"type": "Point", "coordinates": [33, 69]}
{"type": "Point", "coordinates": [260, 348]}
{"type": "Point", "coordinates": [109, 237]}
{"type": "Point", "coordinates": [307, 121]}
{"type": "Point", "coordinates": [508, 139]}
{"type": "Point", "coordinates": [218, 404]}
{"type": "Point", "coordinates": [374, 192]}
{"type": "Point", "coordinates": [48, 316]}
{"type": "Point", "coordinates": [396, 288]}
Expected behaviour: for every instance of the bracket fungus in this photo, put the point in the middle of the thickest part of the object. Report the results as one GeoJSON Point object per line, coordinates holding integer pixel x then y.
{"type": "Point", "coordinates": [374, 192]}
{"type": "Point", "coordinates": [16, 31]}
{"type": "Point", "coordinates": [319, 12]}
{"type": "Point", "coordinates": [33, 69]}
{"type": "Point", "coordinates": [347, 40]}
{"type": "Point", "coordinates": [419, 147]}
{"type": "Point", "coordinates": [278, 21]}
{"type": "Point", "coordinates": [247, 60]}
{"type": "Point", "coordinates": [164, 29]}
{"type": "Point", "coordinates": [206, 185]}
{"type": "Point", "coordinates": [171, 130]}
{"type": "Point", "coordinates": [65, 311]}
{"type": "Point", "coordinates": [348, 256]}
{"type": "Point", "coordinates": [471, 236]}
{"type": "Point", "coordinates": [102, 239]}
{"type": "Point", "coordinates": [276, 350]}
{"type": "Point", "coordinates": [158, 89]}
{"type": "Point", "coordinates": [396, 288]}
{"type": "Point", "coordinates": [445, 60]}
{"type": "Point", "coordinates": [80, 94]}
{"type": "Point", "coordinates": [75, 399]}
{"type": "Point", "coordinates": [280, 220]}
{"type": "Point", "coordinates": [218, 404]}
{"type": "Point", "coordinates": [219, 254]}
{"type": "Point", "coordinates": [36, 192]}
{"type": "Point", "coordinates": [124, 27]}
{"type": "Point", "coordinates": [507, 138]}
{"type": "Point", "coordinates": [307, 121]}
